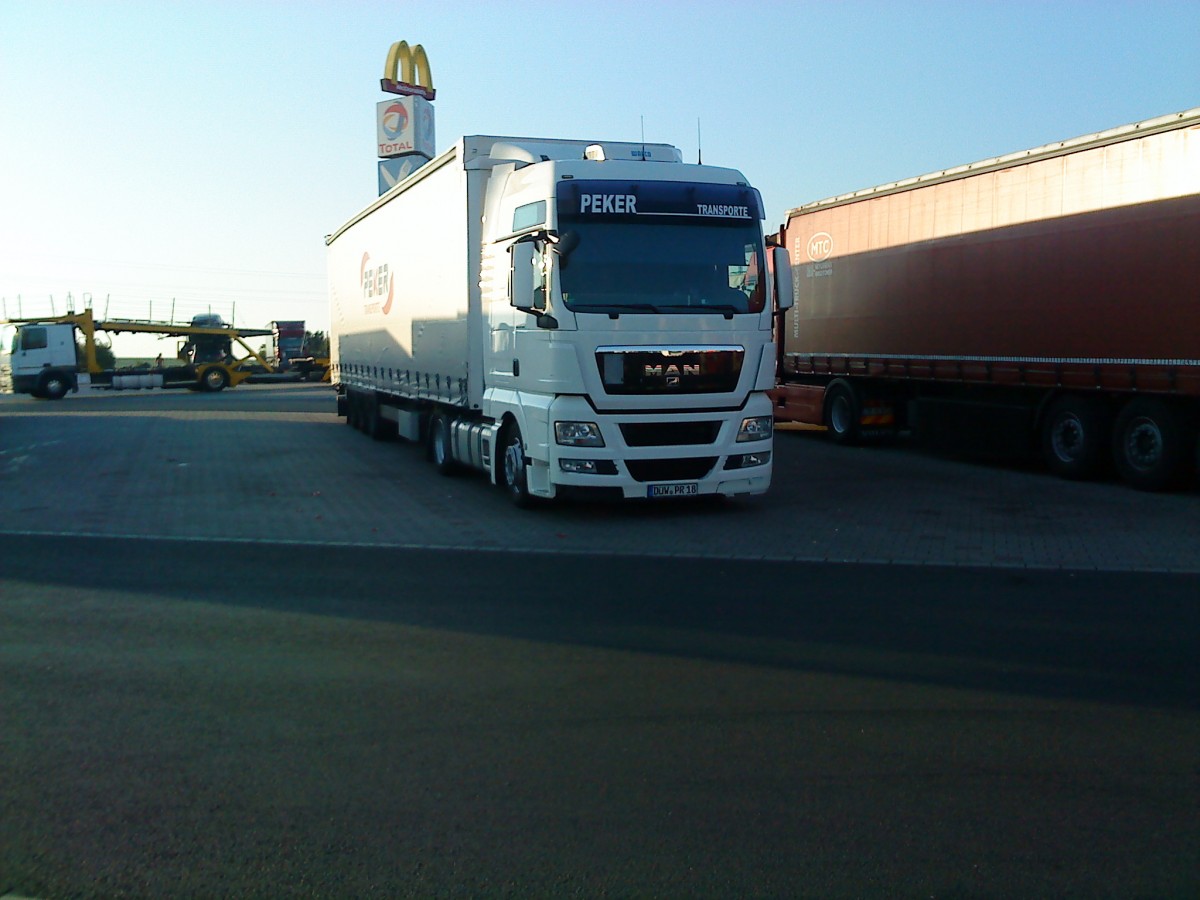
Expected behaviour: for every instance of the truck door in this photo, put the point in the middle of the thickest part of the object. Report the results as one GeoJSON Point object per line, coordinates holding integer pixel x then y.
{"type": "Point", "coordinates": [34, 347]}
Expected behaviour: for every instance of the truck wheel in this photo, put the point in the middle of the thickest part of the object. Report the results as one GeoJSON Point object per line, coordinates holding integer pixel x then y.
{"type": "Point", "coordinates": [1076, 434]}
{"type": "Point", "coordinates": [1152, 444]}
{"type": "Point", "coordinates": [54, 386]}
{"type": "Point", "coordinates": [440, 453]}
{"type": "Point", "coordinates": [214, 379]}
{"type": "Point", "coordinates": [843, 412]}
{"type": "Point", "coordinates": [514, 467]}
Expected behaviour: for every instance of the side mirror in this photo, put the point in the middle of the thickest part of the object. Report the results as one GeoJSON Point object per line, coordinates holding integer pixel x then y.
{"type": "Point", "coordinates": [526, 283]}
{"type": "Point", "coordinates": [781, 265]}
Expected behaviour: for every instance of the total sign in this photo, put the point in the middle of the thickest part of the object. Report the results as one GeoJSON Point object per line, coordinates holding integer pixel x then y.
{"type": "Point", "coordinates": [404, 125]}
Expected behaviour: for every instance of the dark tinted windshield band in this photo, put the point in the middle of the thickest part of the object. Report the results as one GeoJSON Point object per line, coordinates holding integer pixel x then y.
{"type": "Point", "coordinates": [656, 200]}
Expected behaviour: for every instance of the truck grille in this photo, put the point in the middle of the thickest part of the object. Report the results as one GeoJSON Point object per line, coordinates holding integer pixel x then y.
{"type": "Point", "coordinates": [670, 370]}
{"type": "Point", "coordinates": [670, 469]}
{"type": "Point", "coordinates": [669, 434]}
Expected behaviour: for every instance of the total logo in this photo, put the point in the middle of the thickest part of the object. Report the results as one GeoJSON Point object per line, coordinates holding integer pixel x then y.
{"type": "Point", "coordinates": [395, 121]}
{"type": "Point", "coordinates": [376, 282]}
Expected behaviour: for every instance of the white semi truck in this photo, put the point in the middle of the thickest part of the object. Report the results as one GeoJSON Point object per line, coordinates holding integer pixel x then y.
{"type": "Point", "coordinates": [564, 316]}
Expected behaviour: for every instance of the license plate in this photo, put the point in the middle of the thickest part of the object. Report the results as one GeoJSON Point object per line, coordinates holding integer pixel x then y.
{"type": "Point", "coordinates": [674, 490]}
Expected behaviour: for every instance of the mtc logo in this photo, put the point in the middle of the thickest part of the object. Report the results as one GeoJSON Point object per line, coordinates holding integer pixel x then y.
{"type": "Point", "coordinates": [820, 245]}
{"type": "Point", "coordinates": [406, 71]}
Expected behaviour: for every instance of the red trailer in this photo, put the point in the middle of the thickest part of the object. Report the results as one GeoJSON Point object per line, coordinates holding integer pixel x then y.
{"type": "Point", "coordinates": [1047, 296]}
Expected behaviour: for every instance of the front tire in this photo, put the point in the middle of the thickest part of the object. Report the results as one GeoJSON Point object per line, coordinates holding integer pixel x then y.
{"type": "Point", "coordinates": [440, 452]}
{"type": "Point", "coordinates": [514, 467]}
{"type": "Point", "coordinates": [214, 379]}
{"type": "Point", "coordinates": [54, 386]}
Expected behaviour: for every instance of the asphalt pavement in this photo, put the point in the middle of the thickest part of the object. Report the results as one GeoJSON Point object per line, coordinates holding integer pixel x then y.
{"type": "Point", "coordinates": [245, 651]}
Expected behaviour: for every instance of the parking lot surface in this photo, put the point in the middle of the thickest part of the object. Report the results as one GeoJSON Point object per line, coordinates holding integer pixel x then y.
{"type": "Point", "coordinates": [273, 462]}
{"type": "Point", "coordinates": [247, 651]}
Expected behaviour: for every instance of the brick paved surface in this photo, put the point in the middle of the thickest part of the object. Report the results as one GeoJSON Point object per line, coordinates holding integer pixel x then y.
{"type": "Point", "coordinates": [274, 462]}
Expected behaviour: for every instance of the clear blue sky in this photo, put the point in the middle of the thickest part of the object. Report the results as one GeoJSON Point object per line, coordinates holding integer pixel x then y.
{"type": "Point", "coordinates": [200, 151]}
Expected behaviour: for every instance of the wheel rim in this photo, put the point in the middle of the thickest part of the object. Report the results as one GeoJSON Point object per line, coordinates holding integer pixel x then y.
{"type": "Point", "coordinates": [214, 379]}
{"type": "Point", "coordinates": [514, 466]}
{"type": "Point", "coordinates": [1143, 444]}
{"type": "Point", "coordinates": [839, 415]}
{"type": "Point", "coordinates": [439, 442]}
{"type": "Point", "coordinates": [1067, 438]}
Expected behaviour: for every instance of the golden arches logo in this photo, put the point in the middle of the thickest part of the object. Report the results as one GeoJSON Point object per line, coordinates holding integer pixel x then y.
{"type": "Point", "coordinates": [407, 71]}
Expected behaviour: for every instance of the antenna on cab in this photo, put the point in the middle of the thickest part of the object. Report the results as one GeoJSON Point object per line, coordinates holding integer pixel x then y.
{"type": "Point", "coordinates": [699, 147]}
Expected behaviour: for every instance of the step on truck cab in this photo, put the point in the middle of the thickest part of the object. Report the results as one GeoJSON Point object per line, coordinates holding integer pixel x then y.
{"type": "Point", "coordinates": [564, 316]}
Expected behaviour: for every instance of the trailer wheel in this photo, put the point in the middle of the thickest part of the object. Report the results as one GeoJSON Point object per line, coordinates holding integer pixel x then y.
{"type": "Point", "coordinates": [1153, 444]}
{"type": "Point", "coordinates": [1076, 434]}
{"type": "Point", "coordinates": [843, 412]}
{"type": "Point", "coordinates": [214, 379]}
{"type": "Point", "coordinates": [514, 466]}
{"type": "Point", "coordinates": [440, 452]}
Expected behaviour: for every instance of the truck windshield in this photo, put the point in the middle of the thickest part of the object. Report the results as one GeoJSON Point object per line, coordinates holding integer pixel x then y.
{"type": "Point", "coordinates": [663, 268]}
{"type": "Point", "coordinates": [660, 247]}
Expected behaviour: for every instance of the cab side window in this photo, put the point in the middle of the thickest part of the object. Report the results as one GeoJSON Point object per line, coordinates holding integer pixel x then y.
{"type": "Point", "coordinates": [529, 216]}
{"type": "Point", "coordinates": [33, 338]}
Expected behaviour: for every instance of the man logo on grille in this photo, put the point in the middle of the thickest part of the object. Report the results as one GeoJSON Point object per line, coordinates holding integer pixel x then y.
{"type": "Point", "coordinates": [672, 374]}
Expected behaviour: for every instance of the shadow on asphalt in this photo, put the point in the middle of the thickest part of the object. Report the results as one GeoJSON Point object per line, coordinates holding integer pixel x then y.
{"type": "Point", "coordinates": [1104, 637]}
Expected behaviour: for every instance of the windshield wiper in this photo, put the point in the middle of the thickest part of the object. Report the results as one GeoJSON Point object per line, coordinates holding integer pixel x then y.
{"type": "Point", "coordinates": [618, 308]}
{"type": "Point", "coordinates": [727, 309]}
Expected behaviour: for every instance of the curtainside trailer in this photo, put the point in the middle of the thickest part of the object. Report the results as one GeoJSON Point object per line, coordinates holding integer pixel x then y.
{"type": "Point", "coordinates": [1048, 298]}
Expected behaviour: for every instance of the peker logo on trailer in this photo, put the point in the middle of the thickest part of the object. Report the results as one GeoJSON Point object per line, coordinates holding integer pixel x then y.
{"type": "Point", "coordinates": [376, 281]}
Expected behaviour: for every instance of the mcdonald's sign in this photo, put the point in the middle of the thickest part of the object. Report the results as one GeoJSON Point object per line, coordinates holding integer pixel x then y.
{"type": "Point", "coordinates": [407, 71]}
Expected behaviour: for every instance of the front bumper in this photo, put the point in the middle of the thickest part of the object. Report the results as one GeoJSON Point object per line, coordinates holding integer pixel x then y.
{"type": "Point", "coordinates": [657, 454]}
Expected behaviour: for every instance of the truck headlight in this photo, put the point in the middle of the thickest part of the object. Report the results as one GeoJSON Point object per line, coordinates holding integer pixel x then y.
{"type": "Point", "coordinates": [758, 428]}
{"type": "Point", "coordinates": [578, 434]}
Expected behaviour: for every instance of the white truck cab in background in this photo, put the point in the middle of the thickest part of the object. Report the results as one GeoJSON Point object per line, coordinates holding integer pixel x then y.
{"type": "Point", "coordinates": [564, 315]}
